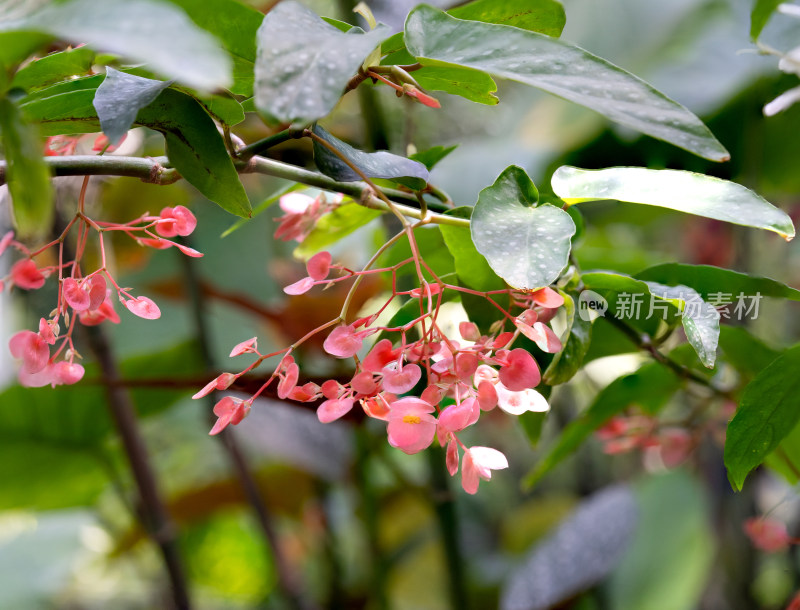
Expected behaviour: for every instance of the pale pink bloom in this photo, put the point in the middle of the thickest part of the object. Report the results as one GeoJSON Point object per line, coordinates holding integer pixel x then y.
{"type": "Point", "coordinates": [304, 393]}
{"type": "Point", "coordinates": [143, 307]}
{"type": "Point", "coordinates": [768, 535]}
{"type": "Point", "coordinates": [466, 363]}
{"type": "Point", "coordinates": [517, 403]}
{"type": "Point", "coordinates": [176, 221]}
{"type": "Point", "coordinates": [229, 410]}
{"type": "Point", "coordinates": [520, 371]}
{"type": "Point", "coordinates": [378, 406]}
{"type": "Point", "coordinates": [26, 275]}
{"type": "Point", "coordinates": [454, 419]}
{"type": "Point", "coordinates": [105, 311]}
{"type": "Point", "coordinates": [75, 297]}
{"type": "Point", "coordinates": [542, 335]}
{"type": "Point", "coordinates": [400, 381]}
{"type": "Point", "coordinates": [433, 394]}
{"type": "Point", "coordinates": [332, 389]}
{"type": "Point", "coordinates": [334, 408]}
{"type": "Point", "coordinates": [295, 203]}
{"type": "Point", "coordinates": [221, 382]}
{"type": "Point", "coordinates": [5, 240]}
{"type": "Point", "coordinates": [548, 298]}
{"type": "Point", "coordinates": [379, 356]}
{"type": "Point", "coordinates": [299, 287]}
{"type": "Point", "coordinates": [502, 340]}
{"type": "Point", "coordinates": [39, 379]}
{"type": "Point", "coordinates": [245, 347]}
{"type": "Point", "coordinates": [301, 214]}
{"type": "Point", "coordinates": [65, 373]}
{"type": "Point", "coordinates": [487, 395]}
{"type": "Point", "coordinates": [411, 426]}
{"type": "Point", "coordinates": [364, 383]}
{"type": "Point", "coordinates": [319, 265]}
{"type": "Point", "coordinates": [469, 331]}
{"type": "Point", "coordinates": [343, 342]}
{"type": "Point", "coordinates": [47, 332]}
{"type": "Point", "coordinates": [484, 373]}
{"type": "Point", "coordinates": [478, 463]}
{"type": "Point", "coordinates": [451, 457]}
{"type": "Point", "coordinates": [529, 317]}
{"type": "Point", "coordinates": [32, 349]}
{"type": "Point", "coordinates": [288, 373]}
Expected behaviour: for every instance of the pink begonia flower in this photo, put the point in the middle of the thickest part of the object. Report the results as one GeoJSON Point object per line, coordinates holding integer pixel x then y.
{"type": "Point", "coordinates": [163, 244]}
{"type": "Point", "coordinates": [342, 342]}
{"type": "Point", "coordinates": [469, 331]}
{"type": "Point", "coordinates": [26, 275]}
{"type": "Point", "coordinates": [484, 373]}
{"type": "Point", "coordinates": [221, 382]}
{"type": "Point", "coordinates": [502, 340]}
{"type": "Point", "coordinates": [65, 373]}
{"type": "Point", "coordinates": [379, 356]}
{"type": "Point", "coordinates": [305, 393]}
{"type": "Point", "coordinates": [451, 457]}
{"type": "Point", "coordinates": [768, 535]}
{"type": "Point", "coordinates": [299, 287]}
{"type": "Point", "coordinates": [520, 372]}
{"type": "Point", "coordinates": [364, 383]}
{"type": "Point", "coordinates": [302, 213]}
{"type": "Point", "coordinates": [295, 203]}
{"type": "Point", "coordinates": [378, 406]}
{"type": "Point", "coordinates": [143, 307]}
{"type": "Point", "coordinates": [229, 410]}
{"type": "Point", "coordinates": [47, 331]}
{"type": "Point", "coordinates": [5, 240]}
{"type": "Point", "coordinates": [466, 363]}
{"type": "Point", "coordinates": [101, 143]}
{"type": "Point", "coordinates": [289, 374]}
{"type": "Point", "coordinates": [674, 444]}
{"type": "Point", "coordinates": [548, 298]}
{"type": "Point", "coordinates": [478, 463]}
{"type": "Point", "coordinates": [104, 312]}
{"type": "Point", "coordinates": [517, 403]}
{"type": "Point", "coordinates": [245, 347]}
{"type": "Point", "coordinates": [75, 297]}
{"type": "Point", "coordinates": [411, 426]}
{"type": "Point", "coordinates": [487, 395]}
{"type": "Point", "coordinates": [454, 419]}
{"type": "Point", "coordinates": [319, 265]}
{"type": "Point", "coordinates": [332, 389]}
{"type": "Point", "coordinates": [400, 381]}
{"type": "Point", "coordinates": [433, 395]}
{"type": "Point", "coordinates": [32, 349]}
{"type": "Point", "coordinates": [542, 335]}
{"type": "Point", "coordinates": [176, 221]}
{"type": "Point", "coordinates": [334, 408]}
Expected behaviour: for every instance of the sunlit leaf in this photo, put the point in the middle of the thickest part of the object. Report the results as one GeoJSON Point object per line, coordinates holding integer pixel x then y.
{"type": "Point", "coordinates": [303, 63]}
{"type": "Point", "coordinates": [674, 189]}
{"type": "Point", "coordinates": [768, 410]}
{"type": "Point", "coordinates": [559, 68]}
{"type": "Point", "coordinates": [54, 68]}
{"type": "Point", "coordinates": [543, 16]}
{"type": "Point", "coordinates": [525, 244]}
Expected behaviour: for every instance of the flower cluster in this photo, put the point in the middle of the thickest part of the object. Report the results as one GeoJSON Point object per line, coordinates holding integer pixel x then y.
{"type": "Point", "coordinates": [624, 434]}
{"type": "Point", "coordinates": [87, 298]}
{"type": "Point", "coordinates": [423, 384]}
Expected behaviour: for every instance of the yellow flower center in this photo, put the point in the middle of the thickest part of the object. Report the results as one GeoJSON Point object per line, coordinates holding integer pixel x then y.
{"type": "Point", "coordinates": [411, 419]}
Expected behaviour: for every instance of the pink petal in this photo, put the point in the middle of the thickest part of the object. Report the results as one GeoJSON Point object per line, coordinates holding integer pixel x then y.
{"type": "Point", "coordinates": [46, 332]}
{"type": "Point", "coordinates": [31, 349]}
{"type": "Point", "coordinates": [6, 239]}
{"type": "Point", "coordinates": [547, 297]}
{"type": "Point", "coordinates": [74, 295]}
{"type": "Point", "coordinates": [66, 373]}
{"type": "Point", "coordinates": [466, 365]}
{"type": "Point", "coordinates": [319, 265]}
{"type": "Point", "coordinates": [95, 286]}
{"type": "Point", "coordinates": [295, 203]}
{"type": "Point", "coordinates": [469, 331]}
{"type": "Point", "coordinates": [244, 347]}
{"type": "Point", "coordinates": [768, 535]}
{"type": "Point", "coordinates": [287, 384]}
{"type": "Point", "coordinates": [189, 251]}
{"type": "Point", "coordinates": [143, 307]}
{"type": "Point", "coordinates": [26, 275]}
{"type": "Point", "coordinates": [401, 381]}
{"type": "Point", "coordinates": [411, 433]}
{"type": "Point", "coordinates": [300, 287]}
{"type": "Point", "coordinates": [185, 221]}
{"type": "Point", "coordinates": [342, 342]}
{"type": "Point", "coordinates": [158, 244]}
{"type": "Point", "coordinates": [379, 356]}
{"type": "Point", "coordinates": [517, 403]}
{"type": "Point", "coordinates": [452, 457]}
{"type": "Point", "coordinates": [35, 380]}
{"type": "Point", "coordinates": [521, 372]}
{"type": "Point", "coordinates": [487, 458]}
{"type": "Point", "coordinates": [333, 409]}
{"type": "Point", "coordinates": [487, 395]}
{"type": "Point", "coordinates": [542, 335]}
{"type": "Point", "coordinates": [364, 383]}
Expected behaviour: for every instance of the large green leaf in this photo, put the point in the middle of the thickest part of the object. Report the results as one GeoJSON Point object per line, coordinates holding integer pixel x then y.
{"type": "Point", "coordinates": [743, 351]}
{"type": "Point", "coordinates": [15, 47]}
{"type": "Point", "coordinates": [473, 85]}
{"type": "Point", "coordinates": [380, 164]}
{"type": "Point", "coordinates": [471, 266]}
{"type": "Point", "coordinates": [525, 244]}
{"type": "Point", "coordinates": [714, 281]}
{"type": "Point", "coordinates": [762, 11]}
{"type": "Point", "coordinates": [674, 189]}
{"type": "Point", "coordinates": [559, 68]}
{"type": "Point", "coordinates": [120, 97]}
{"type": "Point", "coordinates": [194, 145]}
{"type": "Point", "coordinates": [674, 518]}
{"type": "Point", "coordinates": [28, 177]}
{"type": "Point", "coordinates": [569, 360]}
{"type": "Point", "coordinates": [140, 30]}
{"type": "Point", "coordinates": [543, 16]}
{"type": "Point", "coordinates": [334, 226]}
{"type": "Point", "coordinates": [303, 64]}
{"type": "Point", "coordinates": [769, 409]}
{"type": "Point", "coordinates": [54, 68]}
{"type": "Point", "coordinates": [235, 25]}
{"type": "Point", "coordinates": [650, 387]}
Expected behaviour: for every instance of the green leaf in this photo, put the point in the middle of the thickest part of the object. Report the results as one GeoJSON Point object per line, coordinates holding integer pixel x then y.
{"type": "Point", "coordinates": [762, 11]}
{"type": "Point", "coordinates": [54, 68]}
{"type": "Point", "coordinates": [674, 517]}
{"type": "Point", "coordinates": [768, 410]}
{"type": "Point", "coordinates": [119, 98]}
{"type": "Point", "coordinates": [714, 281]}
{"type": "Point", "coordinates": [28, 177]}
{"type": "Point", "coordinates": [532, 424]}
{"type": "Point", "coordinates": [543, 16]}
{"type": "Point", "coordinates": [430, 157]}
{"type": "Point", "coordinates": [471, 266]}
{"type": "Point", "coordinates": [64, 107]}
{"type": "Point", "coordinates": [334, 226]}
{"type": "Point", "coordinates": [650, 387]}
{"type": "Point", "coordinates": [674, 189]}
{"type": "Point", "coordinates": [525, 244]}
{"type": "Point", "coordinates": [700, 319]}
{"type": "Point", "coordinates": [743, 351]}
{"type": "Point", "coordinates": [303, 64]}
{"type": "Point", "coordinates": [472, 85]}
{"type": "Point", "coordinates": [569, 360]}
{"type": "Point", "coordinates": [154, 33]}
{"type": "Point", "coordinates": [235, 25]}
{"type": "Point", "coordinates": [561, 69]}
{"type": "Point", "coordinates": [380, 164]}
{"type": "Point", "coordinates": [15, 47]}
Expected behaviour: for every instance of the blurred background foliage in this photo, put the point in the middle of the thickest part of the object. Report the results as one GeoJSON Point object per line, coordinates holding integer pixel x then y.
{"type": "Point", "coordinates": [360, 524]}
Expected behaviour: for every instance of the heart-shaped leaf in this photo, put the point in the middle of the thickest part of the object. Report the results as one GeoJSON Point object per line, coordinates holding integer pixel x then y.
{"type": "Point", "coordinates": [303, 64]}
{"type": "Point", "coordinates": [527, 245]}
{"type": "Point", "coordinates": [380, 164]}
{"type": "Point", "coordinates": [768, 410]}
{"type": "Point", "coordinates": [674, 189]}
{"type": "Point", "coordinates": [561, 69]}
{"type": "Point", "coordinates": [120, 97]}
{"type": "Point", "coordinates": [141, 30]}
